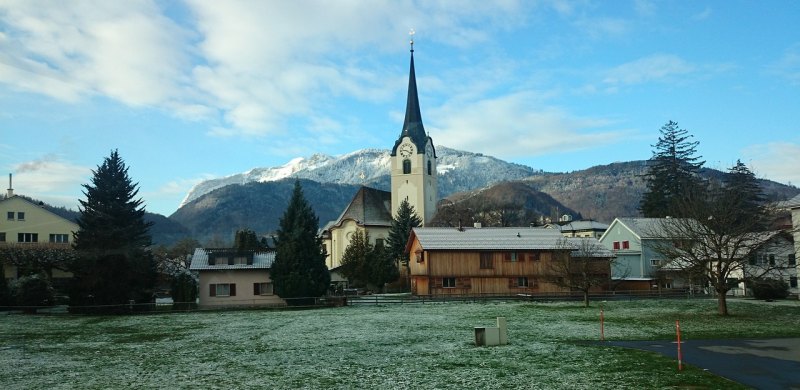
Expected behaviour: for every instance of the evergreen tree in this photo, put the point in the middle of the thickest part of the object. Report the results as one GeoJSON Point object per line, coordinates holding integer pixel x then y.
{"type": "Point", "coordinates": [5, 291]}
{"type": "Point", "coordinates": [745, 196]}
{"type": "Point", "coordinates": [113, 266]}
{"type": "Point", "coordinates": [183, 291]}
{"type": "Point", "coordinates": [672, 174]}
{"type": "Point", "coordinates": [248, 240]}
{"type": "Point", "coordinates": [402, 224]}
{"type": "Point", "coordinates": [299, 270]}
{"type": "Point", "coordinates": [355, 259]}
{"type": "Point", "coordinates": [383, 268]}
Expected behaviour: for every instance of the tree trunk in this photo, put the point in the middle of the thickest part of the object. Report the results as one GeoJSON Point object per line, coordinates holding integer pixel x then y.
{"type": "Point", "coordinates": [722, 303]}
{"type": "Point", "coordinates": [586, 298]}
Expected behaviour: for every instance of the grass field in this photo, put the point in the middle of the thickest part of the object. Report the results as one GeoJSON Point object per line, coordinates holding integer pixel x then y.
{"type": "Point", "coordinates": [389, 347]}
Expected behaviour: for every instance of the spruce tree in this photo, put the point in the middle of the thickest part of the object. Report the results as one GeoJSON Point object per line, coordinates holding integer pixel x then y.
{"type": "Point", "coordinates": [299, 270]}
{"type": "Point", "coordinates": [744, 197]}
{"type": "Point", "coordinates": [112, 266]}
{"type": "Point", "coordinates": [248, 240]}
{"type": "Point", "coordinates": [383, 268]}
{"type": "Point", "coordinates": [672, 177]}
{"type": "Point", "coordinates": [354, 261]}
{"type": "Point", "coordinates": [402, 224]}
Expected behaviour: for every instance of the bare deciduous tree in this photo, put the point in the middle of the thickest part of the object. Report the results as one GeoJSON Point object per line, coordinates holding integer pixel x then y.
{"type": "Point", "coordinates": [584, 267]}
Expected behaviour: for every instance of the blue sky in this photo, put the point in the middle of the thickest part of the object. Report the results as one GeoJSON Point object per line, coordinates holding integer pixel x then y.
{"type": "Point", "coordinates": [190, 90]}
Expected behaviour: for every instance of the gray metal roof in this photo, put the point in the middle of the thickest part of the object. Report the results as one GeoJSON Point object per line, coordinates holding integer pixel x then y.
{"type": "Point", "coordinates": [645, 227]}
{"type": "Point", "coordinates": [578, 226]}
{"type": "Point", "coordinates": [369, 206]}
{"type": "Point", "coordinates": [261, 260]}
{"type": "Point", "coordinates": [794, 202]}
{"type": "Point", "coordinates": [491, 238]}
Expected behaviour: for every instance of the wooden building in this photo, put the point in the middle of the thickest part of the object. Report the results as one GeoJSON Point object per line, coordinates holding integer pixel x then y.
{"type": "Point", "coordinates": [500, 261]}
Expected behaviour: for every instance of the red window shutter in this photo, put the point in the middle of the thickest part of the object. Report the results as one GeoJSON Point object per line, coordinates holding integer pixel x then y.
{"type": "Point", "coordinates": [616, 245]}
{"type": "Point", "coordinates": [233, 289]}
{"type": "Point", "coordinates": [212, 290]}
{"type": "Point", "coordinates": [256, 289]}
{"type": "Point", "coordinates": [626, 245]}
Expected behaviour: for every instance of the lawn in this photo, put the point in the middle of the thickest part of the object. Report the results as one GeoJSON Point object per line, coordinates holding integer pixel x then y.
{"type": "Point", "coordinates": [389, 347]}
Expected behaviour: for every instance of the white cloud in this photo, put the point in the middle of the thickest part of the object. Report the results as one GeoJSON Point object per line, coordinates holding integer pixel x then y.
{"type": "Point", "coordinates": [702, 15]}
{"type": "Point", "coordinates": [788, 66]}
{"type": "Point", "coordinates": [512, 126]}
{"type": "Point", "coordinates": [657, 67]}
{"type": "Point", "coordinates": [775, 161]}
{"type": "Point", "coordinates": [51, 180]}
{"type": "Point", "coordinates": [127, 51]}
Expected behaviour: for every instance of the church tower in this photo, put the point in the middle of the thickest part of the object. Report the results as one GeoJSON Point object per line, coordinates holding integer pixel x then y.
{"type": "Point", "coordinates": [413, 159]}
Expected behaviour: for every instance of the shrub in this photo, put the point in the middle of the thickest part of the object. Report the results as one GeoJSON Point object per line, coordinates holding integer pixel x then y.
{"type": "Point", "coordinates": [769, 289]}
{"type": "Point", "coordinates": [184, 291]}
{"type": "Point", "coordinates": [33, 291]}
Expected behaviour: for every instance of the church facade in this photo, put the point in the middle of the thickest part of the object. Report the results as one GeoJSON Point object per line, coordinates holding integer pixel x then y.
{"type": "Point", "coordinates": [413, 178]}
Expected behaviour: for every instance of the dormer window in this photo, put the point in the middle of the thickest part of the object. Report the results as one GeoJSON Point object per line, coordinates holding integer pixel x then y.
{"type": "Point", "coordinates": [406, 167]}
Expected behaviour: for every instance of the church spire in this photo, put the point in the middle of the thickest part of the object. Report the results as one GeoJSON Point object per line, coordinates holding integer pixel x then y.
{"type": "Point", "coordinates": [412, 125]}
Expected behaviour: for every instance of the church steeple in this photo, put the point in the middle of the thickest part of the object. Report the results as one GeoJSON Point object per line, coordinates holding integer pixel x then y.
{"type": "Point", "coordinates": [412, 125]}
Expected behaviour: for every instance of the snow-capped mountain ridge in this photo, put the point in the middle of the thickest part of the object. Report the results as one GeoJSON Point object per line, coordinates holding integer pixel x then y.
{"type": "Point", "coordinates": [458, 171]}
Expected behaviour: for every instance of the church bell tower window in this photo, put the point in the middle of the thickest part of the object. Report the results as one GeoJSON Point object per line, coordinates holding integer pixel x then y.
{"type": "Point", "coordinates": [406, 167]}
{"type": "Point", "coordinates": [429, 168]}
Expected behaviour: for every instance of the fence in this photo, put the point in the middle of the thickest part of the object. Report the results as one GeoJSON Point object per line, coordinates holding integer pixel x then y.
{"type": "Point", "coordinates": [349, 300]}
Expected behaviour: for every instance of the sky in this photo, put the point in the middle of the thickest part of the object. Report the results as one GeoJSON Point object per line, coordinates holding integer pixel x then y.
{"type": "Point", "coordinates": [192, 90]}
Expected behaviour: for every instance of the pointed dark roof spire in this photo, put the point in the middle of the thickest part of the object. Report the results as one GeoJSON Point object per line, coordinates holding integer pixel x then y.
{"type": "Point", "coordinates": [412, 125]}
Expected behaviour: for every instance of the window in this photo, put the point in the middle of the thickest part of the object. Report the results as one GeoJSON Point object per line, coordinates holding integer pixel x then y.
{"type": "Point", "coordinates": [626, 245]}
{"type": "Point", "coordinates": [616, 245]}
{"type": "Point", "coordinates": [655, 262]}
{"type": "Point", "coordinates": [792, 260]}
{"type": "Point", "coordinates": [429, 167]}
{"type": "Point", "coordinates": [212, 260]}
{"type": "Point", "coordinates": [771, 259]}
{"type": "Point", "coordinates": [262, 288]}
{"type": "Point", "coordinates": [793, 281]}
{"type": "Point", "coordinates": [3, 237]}
{"type": "Point", "coordinates": [406, 167]}
{"type": "Point", "coordinates": [379, 242]}
{"type": "Point", "coordinates": [419, 257]}
{"type": "Point", "coordinates": [522, 281]}
{"type": "Point", "coordinates": [59, 238]}
{"type": "Point", "coordinates": [449, 282]}
{"type": "Point", "coordinates": [240, 260]}
{"type": "Point", "coordinates": [20, 216]}
{"type": "Point", "coordinates": [10, 215]}
{"type": "Point", "coordinates": [486, 260]}
{"type": "Point", "coordinates": [222, 290]}
{"type": "Point", "coordinates": [27, 237]}
{"type": "Point", "coordinates": [511, 256]}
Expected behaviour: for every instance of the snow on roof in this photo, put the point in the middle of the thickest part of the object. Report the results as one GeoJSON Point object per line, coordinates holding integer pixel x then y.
{"type": "Point", "coordinates": [261, 259]}
{"type": "Point", "coordinates": [509, 238]}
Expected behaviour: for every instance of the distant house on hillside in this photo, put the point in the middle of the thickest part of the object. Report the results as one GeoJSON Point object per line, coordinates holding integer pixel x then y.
{"type": "Point", "coordinates": [27, 225]}
{"type": "Point", "coordinates": [503, 261]}
{"type": "Point", "coordinates": [585, 228]}
{"type": "Point", "coordinates": [231, 277]}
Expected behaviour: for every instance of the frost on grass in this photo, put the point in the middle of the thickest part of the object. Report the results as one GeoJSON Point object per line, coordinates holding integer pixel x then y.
{"type": "Point", "coordinates": [409, 346]}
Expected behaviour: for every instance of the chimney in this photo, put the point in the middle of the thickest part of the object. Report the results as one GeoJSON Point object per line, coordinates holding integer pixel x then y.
{"type": "Point", "coordinates": [10, 187]}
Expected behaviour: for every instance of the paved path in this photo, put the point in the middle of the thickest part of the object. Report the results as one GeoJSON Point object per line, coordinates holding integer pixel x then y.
{"type": "Point", "coordinates": [762, 364]}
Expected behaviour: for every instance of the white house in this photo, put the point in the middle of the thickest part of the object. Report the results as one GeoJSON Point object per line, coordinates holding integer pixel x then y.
{"type": "Point", "coordinates": [231, 277]}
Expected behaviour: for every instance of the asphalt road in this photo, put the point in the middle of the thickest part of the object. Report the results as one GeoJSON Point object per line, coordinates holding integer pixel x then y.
{"type": "Point", "coordinates": [762, 364]}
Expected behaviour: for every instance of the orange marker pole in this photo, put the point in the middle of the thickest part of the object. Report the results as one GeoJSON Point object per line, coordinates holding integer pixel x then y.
{"type": "Point", "coordinates": [680, 355]}
{"type": "Point", "coordinates": [602, 325]}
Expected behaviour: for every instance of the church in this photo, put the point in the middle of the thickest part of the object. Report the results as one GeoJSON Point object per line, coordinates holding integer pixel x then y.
{"type": "Point", "coordinates": [413, 178]}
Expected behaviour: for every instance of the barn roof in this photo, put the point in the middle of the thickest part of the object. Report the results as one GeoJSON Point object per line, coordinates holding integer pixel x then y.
{"type": "Point", "coordinates": [491, 238]}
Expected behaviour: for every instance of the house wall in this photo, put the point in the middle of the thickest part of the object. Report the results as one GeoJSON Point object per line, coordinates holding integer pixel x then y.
{"type": "Point", "coordinates": [37, 220]}
{"type": "Point", "coordinates": [429, 268]}
{"type": "Point", "coordinates": [244, 280]}
{"type": "Point", "coordinates": [796, 232]}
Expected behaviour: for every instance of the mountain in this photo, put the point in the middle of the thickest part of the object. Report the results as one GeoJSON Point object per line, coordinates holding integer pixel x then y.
{"type": "Point", "coordinates": [215, 209]}
{"type": "Point", "coordinates": [458, 171]}
{"type": "Point", "coordinates": [214, 218]}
